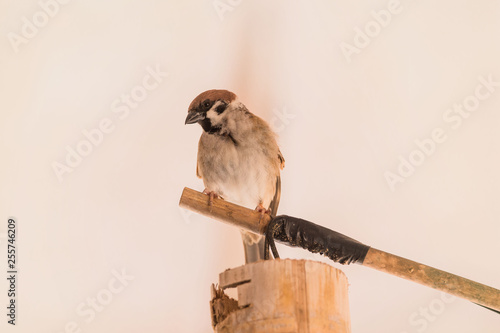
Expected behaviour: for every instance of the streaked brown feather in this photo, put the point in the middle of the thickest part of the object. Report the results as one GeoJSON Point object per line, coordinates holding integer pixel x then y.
{"type": "Point", "coordinates": [273, 206]}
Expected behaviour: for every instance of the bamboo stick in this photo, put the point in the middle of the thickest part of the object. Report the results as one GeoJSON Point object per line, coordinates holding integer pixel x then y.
{"type": "Point", "coordinates": [389, 263]}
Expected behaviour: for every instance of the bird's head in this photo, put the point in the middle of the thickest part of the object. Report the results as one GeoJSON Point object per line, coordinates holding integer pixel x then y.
{"type": "Point", "coordinates": [210, 109]}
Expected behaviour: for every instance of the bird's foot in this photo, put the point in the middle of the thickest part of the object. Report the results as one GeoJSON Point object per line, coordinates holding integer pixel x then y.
{"type": "Point", "coordinates": [211, 196]}
{"type": "Point", "coordinates": [262, 210]}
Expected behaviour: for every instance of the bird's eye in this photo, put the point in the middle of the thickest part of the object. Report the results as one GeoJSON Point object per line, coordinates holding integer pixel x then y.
{"type": "Point", "coordinates": [206, 104]}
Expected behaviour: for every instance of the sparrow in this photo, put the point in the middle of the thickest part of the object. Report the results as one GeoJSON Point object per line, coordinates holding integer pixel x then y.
{"type": "Point", "coordinates": [238, 158]}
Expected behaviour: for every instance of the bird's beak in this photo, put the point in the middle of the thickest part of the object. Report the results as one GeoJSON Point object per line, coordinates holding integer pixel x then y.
{"type": "Point", "coordinates": [194, 117]}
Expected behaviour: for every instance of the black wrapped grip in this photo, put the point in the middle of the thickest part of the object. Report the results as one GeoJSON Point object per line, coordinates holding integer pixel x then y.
{"type": "Point", "coordinates": [314, 238]}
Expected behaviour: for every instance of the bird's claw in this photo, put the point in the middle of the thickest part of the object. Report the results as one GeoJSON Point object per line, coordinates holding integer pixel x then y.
{"type": "Point", "coordinates": [262, 210]}
{"type": "Point", "coordinates": [211, 196]}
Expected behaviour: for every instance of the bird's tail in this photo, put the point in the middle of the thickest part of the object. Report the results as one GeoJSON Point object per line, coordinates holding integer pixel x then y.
{"type": "Point", "coordinates": [253, 245]}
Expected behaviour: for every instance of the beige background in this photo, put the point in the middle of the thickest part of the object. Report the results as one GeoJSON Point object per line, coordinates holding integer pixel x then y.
{"type": "Point", "coordinates": [348, 122]}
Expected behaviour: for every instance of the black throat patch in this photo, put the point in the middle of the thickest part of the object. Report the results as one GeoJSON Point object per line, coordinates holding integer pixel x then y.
{"type": "Point", "coordinates": [207, 126]}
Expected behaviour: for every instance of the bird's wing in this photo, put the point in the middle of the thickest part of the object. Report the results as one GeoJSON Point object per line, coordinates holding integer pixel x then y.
{"type": "Point", "coordinates": [282, 159]}
{"type": "Point", "coordinates": [273, 206]}
{"type": "Point", "coordinates": [198, 173]}
{"type": "Point", "coordinates": [201, 148]}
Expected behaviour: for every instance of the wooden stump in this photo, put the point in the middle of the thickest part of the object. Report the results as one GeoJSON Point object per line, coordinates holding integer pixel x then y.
{"type": "Point", "coordinates": [282, 296]}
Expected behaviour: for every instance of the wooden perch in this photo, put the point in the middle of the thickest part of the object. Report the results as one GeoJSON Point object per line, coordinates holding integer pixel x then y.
{"type": "Point", "coordinates": [224, 211]}
{"type": "Point", "coordinates": [410, 270]}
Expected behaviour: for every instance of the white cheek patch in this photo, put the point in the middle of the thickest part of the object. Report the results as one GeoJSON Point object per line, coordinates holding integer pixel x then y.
{"type": "Point", "coordinates": [214, 117]}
